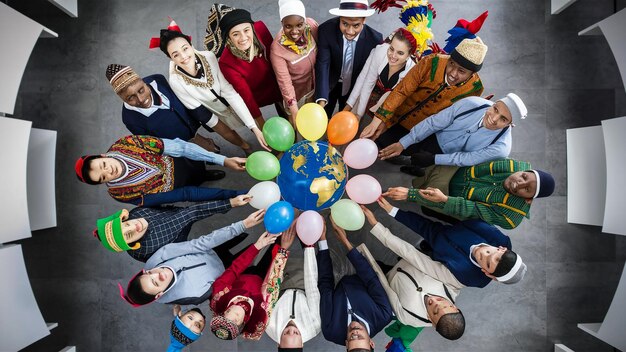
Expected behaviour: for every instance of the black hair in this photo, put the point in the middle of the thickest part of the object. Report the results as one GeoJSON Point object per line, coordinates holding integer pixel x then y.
{"type": "Point", "coordinates": [197, 310]}
{"type": "Point", "coordinates": [136, 293]}
{"type": "Point", "coordinates": [506, 263]}
{"type": "Point", "coordinates": [87, 167]}
{"type": "Point", "coordinates": [361, 350]}
{"type": "Point", "coordinates": [451, 325]}
{"type": "Point", "coordinates": [167, 36]}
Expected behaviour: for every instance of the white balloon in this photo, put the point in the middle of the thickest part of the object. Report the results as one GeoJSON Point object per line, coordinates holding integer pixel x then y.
{"type": "Point", "coordinates": [264, 194]}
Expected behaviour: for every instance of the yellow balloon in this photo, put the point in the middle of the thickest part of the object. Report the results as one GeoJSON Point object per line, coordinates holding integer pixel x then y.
{"type": "Point", "coordinates": [311, 121]}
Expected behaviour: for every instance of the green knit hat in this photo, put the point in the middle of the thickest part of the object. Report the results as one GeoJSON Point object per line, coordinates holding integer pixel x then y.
{"type": "Point", "coordinates": [109, 231]}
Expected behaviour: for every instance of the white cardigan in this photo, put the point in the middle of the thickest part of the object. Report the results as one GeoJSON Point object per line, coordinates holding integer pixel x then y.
{"type": "Point", "coordinates": [306, 309]}
{"type": "Point", "coordinates": [366, 81]}
{"type": "Point", "coordinates": [192, 96]}
{"type": "Point", "coordinates": [430, 275]}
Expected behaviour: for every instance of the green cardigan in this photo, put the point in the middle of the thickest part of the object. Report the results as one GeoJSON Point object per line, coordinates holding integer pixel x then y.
{"type": "Point", "coordinates": [477, 192]}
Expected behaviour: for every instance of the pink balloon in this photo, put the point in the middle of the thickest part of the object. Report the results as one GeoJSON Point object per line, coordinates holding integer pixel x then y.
{"type": "Point", "coordinates": [361, 153]}
{"type": "Point", "coordinates": [309, 227]}
{"type": "Point", "coordinates": [363, 189]}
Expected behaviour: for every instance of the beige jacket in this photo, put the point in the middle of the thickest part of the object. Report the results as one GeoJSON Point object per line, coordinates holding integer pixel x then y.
{"type": "Point", "coordinates": [411, 279]}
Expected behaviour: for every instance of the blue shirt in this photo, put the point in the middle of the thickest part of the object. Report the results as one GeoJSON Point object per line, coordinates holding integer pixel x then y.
{"type": "Point", "coordinates": [463, 141]}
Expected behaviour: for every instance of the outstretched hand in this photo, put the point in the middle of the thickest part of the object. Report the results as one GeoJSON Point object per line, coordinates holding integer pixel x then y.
{"type": "Point", "coordinates": [391, 151]}
{"type": "Point", "coordinates": [235, 163]}
{"type": "Point", "coordinates": [254, 218]}
{"type": "Point", "coordinates": [433, 195]}
{"type": "Point", "coordinates": [369, 215]}
{"type": "Point", "coordinates": [286, 240]}
{"type": "Point", "coordinates": [397, 193]}
{"type": "Point", "coordinates": [265, 240]}
{"type": "Point", "coordinates": [240, 200]}
{"type": "Point", "coordinates": [383, 203]}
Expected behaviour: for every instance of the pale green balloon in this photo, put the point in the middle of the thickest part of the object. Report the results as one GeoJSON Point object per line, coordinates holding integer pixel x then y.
{"type": "Point", "coordinates": [347, 214]}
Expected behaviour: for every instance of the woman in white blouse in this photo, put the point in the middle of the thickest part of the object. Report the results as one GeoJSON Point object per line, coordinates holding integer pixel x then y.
{"type": "Point", "coordinates": [387, 64]}
{"type": "Point", "coordinates": [196, 79]}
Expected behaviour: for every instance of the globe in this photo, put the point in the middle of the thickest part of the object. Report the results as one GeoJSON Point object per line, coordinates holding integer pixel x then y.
{"type": "Point", "coordinates": [312, 175]}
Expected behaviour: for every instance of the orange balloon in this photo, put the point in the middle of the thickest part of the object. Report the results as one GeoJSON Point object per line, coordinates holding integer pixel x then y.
{"type": "Point", "coordinates": [342, 128]}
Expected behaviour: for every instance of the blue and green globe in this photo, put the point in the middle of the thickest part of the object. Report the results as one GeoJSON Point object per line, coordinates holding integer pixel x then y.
{"type": "Point", "coordinates": [312, 175]}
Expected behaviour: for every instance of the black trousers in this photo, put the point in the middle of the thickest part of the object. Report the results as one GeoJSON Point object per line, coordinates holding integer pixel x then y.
{"type": "Point", "coordinates": [393, 135]}
{"type": "Point", "coordinates": [335, 97]}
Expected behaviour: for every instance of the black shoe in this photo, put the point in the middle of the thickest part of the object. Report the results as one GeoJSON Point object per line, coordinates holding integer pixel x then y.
{"type": "Point", "coordinates": [214, 175]}
{"type": "Point", "coordinates": [413, 170]}
{"type": "Point", "coordinates": [400, 160]}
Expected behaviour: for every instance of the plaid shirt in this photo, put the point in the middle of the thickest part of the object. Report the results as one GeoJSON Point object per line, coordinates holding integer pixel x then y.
{"type": "Point", "coordinates": [171, 224]}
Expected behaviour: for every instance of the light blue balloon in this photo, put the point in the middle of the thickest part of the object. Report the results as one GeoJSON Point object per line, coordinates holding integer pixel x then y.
{"type": "Point", "coordinates": [278, 217]}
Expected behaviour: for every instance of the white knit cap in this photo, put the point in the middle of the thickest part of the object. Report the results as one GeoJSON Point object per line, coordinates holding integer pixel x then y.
{"type": "Point", "coordinates": [516, 106]}
{"type": "Point", "coordinates": [291, 7]}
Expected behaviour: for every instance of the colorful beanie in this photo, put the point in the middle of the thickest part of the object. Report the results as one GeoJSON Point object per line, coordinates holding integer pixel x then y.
{"type": "Point", "coordinates": [464, 29]}
{"type": "Point", "coordinates": [224, 328]}
{"type": "Point", "coordinates": [121, 76]}
{"type": "Point", "coordinates": [470, 53]}
{"type": "Point", "coordinates": [109, 231]}
{"type": "Point", "coordinates": [180, 336]}
{"type": "Point", "coordinates": [545, 184]}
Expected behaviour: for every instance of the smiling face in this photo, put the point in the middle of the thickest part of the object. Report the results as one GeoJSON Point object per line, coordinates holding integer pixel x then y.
{"type": "Point", "coordinates": [181, 53]}
{"type": "Point", "coordinates": [290, 337]}
{"type": "Point", "coordinates": [193, 320]}
{"type": "Point", "coordinates": [456, 73]}
{"type": "Point", "coordinates": [437, 306]}
{"type": "Point", "coordinates": [497, 116]}
{"type": "Point", "coordinates": [155, 281]}
{"type": "Point", "coordinates": [350, 27]}
{"type": "Point", "coordinates": [138, 94]}
{"type": "Point", "coordinates": [293, 26]}
{"type": "Point", "coordinates": [105, 169]}
{"type": "Point", "coordinates": [398, 52]}
{"type": "Point", "coordinates": [522, 184]}
{"type": "Point", "coordinates": [488, 257]}
{"type": "Point", "coordinates": [133, 230]}
{"type": "Point", "coordinates": [242, 36]}
{"type": "Point", "coordinates": [358, 337]}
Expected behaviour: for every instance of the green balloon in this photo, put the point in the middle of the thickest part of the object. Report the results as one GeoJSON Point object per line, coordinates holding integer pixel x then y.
{"type": "Point", "coordinates": [347, 215]}
{"type": "Point", "coordinates": [279, 133]}
{"type": "Point", "coordinates": [262, 165]}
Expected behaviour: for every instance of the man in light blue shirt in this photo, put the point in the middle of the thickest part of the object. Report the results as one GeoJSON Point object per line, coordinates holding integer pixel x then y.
{"type": "Point", "coordinates": [183, 273]}
{"type": "Point", "coordinates": [469, 132]}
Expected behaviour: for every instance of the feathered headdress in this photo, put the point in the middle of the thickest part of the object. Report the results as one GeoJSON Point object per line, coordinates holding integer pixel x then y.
{"type": "Point", "coordinates": [417, 16]}
{"type": "Point", "coordinates": [464, 30]}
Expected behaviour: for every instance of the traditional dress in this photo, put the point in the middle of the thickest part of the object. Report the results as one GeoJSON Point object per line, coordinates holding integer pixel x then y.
{"type": "Point", "coordinates": [294, 65]}
{"type": "Point", "coordinates": [476, 192]}
{"type": "Point", "coordinates": [422, 93]}
{"type": "Point", "coordinates": [235, 284]}
{"type": "Point", "coordinates": [374, 84]}
{"type": "Point", "coordinates": [209, 89]}
{"type": "Point", "coordinates": [253, 80]}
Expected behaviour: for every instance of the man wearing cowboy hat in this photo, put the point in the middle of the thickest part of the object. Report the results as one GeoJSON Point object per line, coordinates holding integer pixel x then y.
{"type": "Point", "coordinates": [345, 43]}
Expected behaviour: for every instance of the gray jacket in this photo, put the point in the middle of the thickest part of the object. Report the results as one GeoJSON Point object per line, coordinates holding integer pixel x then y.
{"type": "Point", "coordinates": [195, 265]}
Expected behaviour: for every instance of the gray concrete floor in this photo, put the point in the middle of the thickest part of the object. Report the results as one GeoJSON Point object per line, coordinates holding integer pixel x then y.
{"type": "Point", "coordinates": [567, 81]}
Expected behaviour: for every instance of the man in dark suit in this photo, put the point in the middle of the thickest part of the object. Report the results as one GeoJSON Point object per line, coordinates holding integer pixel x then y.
{"type": "Point", "coordinates": [358, 308]}
{"type": "Point", "coordinates": [344, 45]}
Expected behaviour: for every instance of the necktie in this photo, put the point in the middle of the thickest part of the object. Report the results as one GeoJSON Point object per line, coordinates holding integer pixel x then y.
{"type": "Point", "coordinates": [346, 68]}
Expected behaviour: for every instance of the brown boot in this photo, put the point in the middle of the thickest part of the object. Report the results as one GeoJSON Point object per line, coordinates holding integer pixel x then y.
{"type": "Point", "coordinates": [205, 143]}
